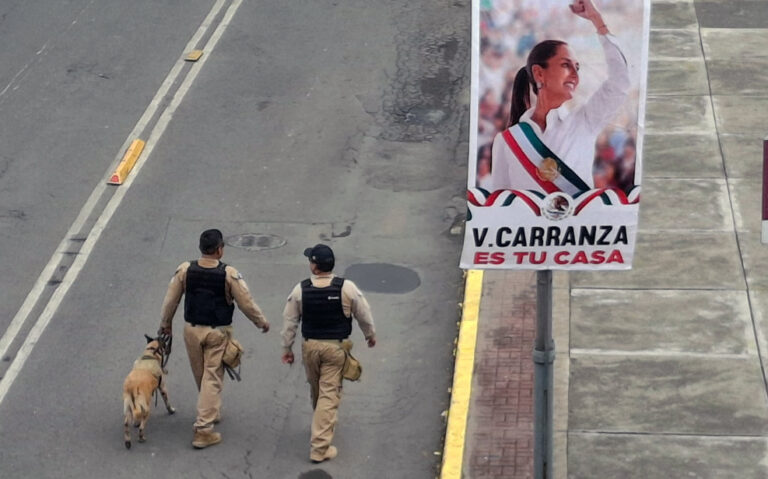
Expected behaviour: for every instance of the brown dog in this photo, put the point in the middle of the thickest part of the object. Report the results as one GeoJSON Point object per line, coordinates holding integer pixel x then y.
{"type": "Point", "coordinates": [145, 378]}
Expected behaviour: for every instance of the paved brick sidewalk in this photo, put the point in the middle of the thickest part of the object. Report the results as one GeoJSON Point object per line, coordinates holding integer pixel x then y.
{"type": "Point", "coordinates": [499, 439]}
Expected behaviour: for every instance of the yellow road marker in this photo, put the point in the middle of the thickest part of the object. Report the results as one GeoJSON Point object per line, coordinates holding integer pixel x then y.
{"type": "Point", "coordinates": [194, 55]}
{"type": "Point", "coordinates": [126, 164]}
{"type": "Point", "coordinates": [453, 453]}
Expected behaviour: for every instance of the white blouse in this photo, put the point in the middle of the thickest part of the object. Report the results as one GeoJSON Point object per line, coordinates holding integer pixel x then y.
{"type": "Point", "coordinates": [571, 136]}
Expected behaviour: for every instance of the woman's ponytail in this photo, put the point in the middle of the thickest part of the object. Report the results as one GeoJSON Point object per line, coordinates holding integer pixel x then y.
{"type": "Point", "coordinates": [521, 96]}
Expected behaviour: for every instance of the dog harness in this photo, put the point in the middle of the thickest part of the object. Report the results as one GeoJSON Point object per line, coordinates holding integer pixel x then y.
{"type": "Point", "coordinates": [151, 364]}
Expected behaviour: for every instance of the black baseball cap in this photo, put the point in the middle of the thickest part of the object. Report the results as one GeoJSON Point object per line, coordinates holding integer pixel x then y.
{"type": "Point", "coordinates": [320, 254]}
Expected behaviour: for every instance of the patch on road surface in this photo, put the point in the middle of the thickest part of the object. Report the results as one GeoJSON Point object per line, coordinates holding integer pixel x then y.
{"type": "Point", "coordinates": [405, 166]}
{"type": "Point", "coordinates": [424, 106]}
{"type": "Point", "coordinates": [255, 241]}
{"type": "Point", "coordinates": [425, 87]}
{"type": "Point", "coordinates": [383, 277]}
{"type": "Point", "coordinates": [426, 95]}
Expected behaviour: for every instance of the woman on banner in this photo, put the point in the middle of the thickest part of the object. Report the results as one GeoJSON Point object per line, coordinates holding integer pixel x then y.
{"type": "Point", "coordinates": [545, 147]}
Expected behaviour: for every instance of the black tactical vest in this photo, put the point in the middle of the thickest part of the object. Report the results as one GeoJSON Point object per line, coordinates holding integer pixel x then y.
{"type": "Point", "coordinates": [206, 301]}
{"type": "Point", "coordinates": [322, 315]}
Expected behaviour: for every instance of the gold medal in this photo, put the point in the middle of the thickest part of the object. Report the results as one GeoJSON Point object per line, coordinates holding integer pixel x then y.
{"type": "Point", "coordinates": [548, 170]}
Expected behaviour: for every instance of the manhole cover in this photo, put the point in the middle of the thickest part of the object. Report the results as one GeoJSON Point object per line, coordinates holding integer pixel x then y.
{"type": "Point", "coordinates": [383, 277]}
{"type": "Point", "coordinates": [315, 474]}
{"type": "Point", "coordinates": [255, 241]}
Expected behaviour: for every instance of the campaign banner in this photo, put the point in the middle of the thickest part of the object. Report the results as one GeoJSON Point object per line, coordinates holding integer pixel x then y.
{"type": "Point", "coordinates": [556, 129]}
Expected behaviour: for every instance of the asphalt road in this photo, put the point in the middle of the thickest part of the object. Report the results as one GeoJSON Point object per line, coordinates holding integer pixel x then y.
{"type": "Point", "coordinates": [304, 122]}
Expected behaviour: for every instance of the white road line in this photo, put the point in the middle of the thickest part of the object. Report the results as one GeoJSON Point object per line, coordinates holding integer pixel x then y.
{"type": "Point", "coordinates": [25, 70]}
{"type": "Point", "coordinates": [112, 205]}
{"type": "Point", "coordinates": [34, 295]}
{"type": "Point", "coordinates": [13, 80]}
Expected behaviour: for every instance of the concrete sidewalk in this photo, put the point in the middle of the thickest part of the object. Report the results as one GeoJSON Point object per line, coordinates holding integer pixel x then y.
{"type": "Point", "coordinates": [659, 371]}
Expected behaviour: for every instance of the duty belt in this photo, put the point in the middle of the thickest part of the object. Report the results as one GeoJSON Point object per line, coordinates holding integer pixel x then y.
{"type": "Point", "coordinates": [208, 325]}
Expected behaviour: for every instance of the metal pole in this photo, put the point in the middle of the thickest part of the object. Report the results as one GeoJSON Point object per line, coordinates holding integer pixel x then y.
{"type": "Point", "coordinates": [543, 357]}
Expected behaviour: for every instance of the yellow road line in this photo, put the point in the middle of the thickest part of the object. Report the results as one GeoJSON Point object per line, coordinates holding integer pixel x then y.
{"type": "Point", "coordinates": [453, 452]}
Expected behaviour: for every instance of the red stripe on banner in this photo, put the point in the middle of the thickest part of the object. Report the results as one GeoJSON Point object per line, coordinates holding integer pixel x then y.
{"type": "Point", "coordinates": [493, 197]}
{"type": "Point", "coordinates": [471, 198]}
{"type": "Point", "coordinates": [532, 170]}
{"type": "Point", "coordinates": [619, 193]}
{"type": "Point", "coordinates": [530, 202]}
{"type": "Point", "coordinates": [589, 198]}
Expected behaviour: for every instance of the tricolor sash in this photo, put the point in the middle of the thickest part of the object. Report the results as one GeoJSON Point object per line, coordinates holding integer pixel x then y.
{"type": "Point", "coordinates": [546, 169]}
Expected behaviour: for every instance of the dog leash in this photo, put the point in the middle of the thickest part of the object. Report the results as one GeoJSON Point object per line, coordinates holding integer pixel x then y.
{"type": "Point", "coordinates": [167, 341]}
{"type": "Point", "coordinates": [232, 373]}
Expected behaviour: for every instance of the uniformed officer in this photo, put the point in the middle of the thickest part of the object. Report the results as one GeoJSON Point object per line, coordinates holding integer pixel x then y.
{"type": "Point", "coordinates": [325, 305]}
{"type": "Point", "coordinates": [211, 287]}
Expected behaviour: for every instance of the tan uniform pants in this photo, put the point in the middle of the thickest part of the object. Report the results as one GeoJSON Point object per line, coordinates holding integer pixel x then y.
{"type": "Point", "coordinates": [323, 362]}
{"type": "Point", "coordinates": [205, 347]}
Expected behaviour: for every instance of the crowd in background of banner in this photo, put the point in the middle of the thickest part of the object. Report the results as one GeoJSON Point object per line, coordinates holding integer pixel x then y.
{"type": "Point", "coordinates": [508, 31]}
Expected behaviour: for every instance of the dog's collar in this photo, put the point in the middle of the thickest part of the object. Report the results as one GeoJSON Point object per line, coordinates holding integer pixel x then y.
{"type": "Point", "coordinates": [150, 357]}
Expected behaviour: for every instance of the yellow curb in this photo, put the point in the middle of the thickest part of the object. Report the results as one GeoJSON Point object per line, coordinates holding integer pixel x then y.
{"type": "Point", "coordinates": [126, 165]}
{"type": "Point", "coordinates": [453, 451]}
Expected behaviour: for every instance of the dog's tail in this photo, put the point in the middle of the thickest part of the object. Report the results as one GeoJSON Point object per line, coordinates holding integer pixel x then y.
{"type": "Point", "coordinates": [128, 419]}
{"type": "Point", "coordinates": [135, 409]}
{"type": "Point", "coordinates": [140, 405]}
{"type": "Point", "coordinates": [127, 404]}
{"type": "Point", "coordinates": [136, 404]}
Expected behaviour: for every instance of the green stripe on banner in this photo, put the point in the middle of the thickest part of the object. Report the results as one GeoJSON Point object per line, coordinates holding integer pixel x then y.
{"type": "Point", "coordinates": [567, 173]}
{"type": "Point", "coordinates": [509, 199]}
